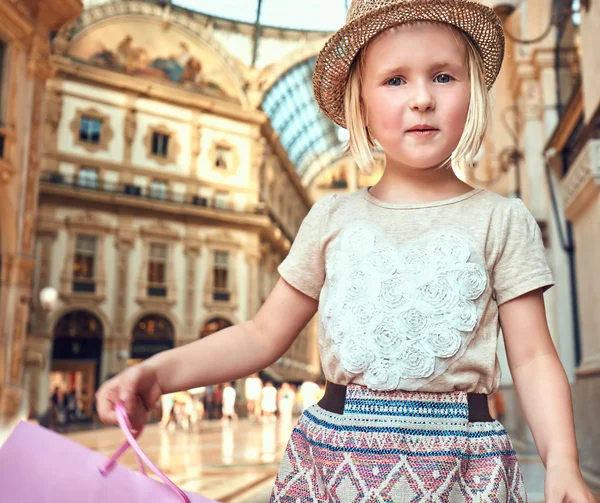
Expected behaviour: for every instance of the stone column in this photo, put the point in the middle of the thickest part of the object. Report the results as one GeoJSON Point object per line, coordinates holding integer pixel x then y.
{"type": "Point", "coordinates": [253, 290]}
{"type": "Point", "coordinates": [120, 341]}
{"type": "Point", "coordinates": [38, 353]}
{"type": "Point", "coordinates": [192, 252]}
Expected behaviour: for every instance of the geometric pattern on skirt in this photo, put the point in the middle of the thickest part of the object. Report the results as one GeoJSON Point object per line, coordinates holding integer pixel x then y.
{"type": "Point", "coordinates": [398, 447]}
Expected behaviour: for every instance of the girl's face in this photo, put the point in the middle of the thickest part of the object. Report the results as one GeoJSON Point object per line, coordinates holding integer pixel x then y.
{"type": "Point", "coordinates": [416, 93]}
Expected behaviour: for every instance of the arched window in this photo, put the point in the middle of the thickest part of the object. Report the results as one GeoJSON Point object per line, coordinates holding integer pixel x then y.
{"type": "Point", "coordinates": [153, 327]}
{"type": "Point", "coordinates": [152, 334]}
{"type": "Point", "coordinates": [214, 325]}
{"type": "Point", "coordinates": [78, 324]}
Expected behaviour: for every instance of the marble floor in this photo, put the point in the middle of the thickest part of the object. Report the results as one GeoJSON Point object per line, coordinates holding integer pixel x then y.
{"type": "Point", "coordinates": [231, 462]}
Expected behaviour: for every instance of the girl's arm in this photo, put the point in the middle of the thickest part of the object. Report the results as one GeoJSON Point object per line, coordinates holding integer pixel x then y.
{"type": "Point", "coordinates": [544, 393]}
{"type": "Point", "coordinates": [240, 350]}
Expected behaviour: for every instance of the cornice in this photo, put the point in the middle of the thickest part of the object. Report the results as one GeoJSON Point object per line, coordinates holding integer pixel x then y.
{"type": "Point", "coordinates": [582, 183]}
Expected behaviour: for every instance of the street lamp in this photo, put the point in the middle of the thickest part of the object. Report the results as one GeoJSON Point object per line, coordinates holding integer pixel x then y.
{"type": "Point", "coordinates": [48, 298]}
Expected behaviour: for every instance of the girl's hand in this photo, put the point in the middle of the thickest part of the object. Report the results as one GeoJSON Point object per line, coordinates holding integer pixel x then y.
{"type": "Point", "coordinates": [564, 484]}
{"type": "Point", "coordinates": [137, 387]}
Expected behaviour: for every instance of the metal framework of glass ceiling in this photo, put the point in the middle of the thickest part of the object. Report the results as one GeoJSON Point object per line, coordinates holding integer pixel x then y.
{"type": "Point", "coordinates": [311, 140]}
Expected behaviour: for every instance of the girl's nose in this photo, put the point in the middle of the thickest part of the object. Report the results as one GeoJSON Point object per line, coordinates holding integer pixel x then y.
{"type": "Point", "coordinates": [422, 99]}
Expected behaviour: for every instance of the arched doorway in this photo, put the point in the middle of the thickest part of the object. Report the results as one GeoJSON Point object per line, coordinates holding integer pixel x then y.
{"type": "Point", "coordinates": [214, 325]}
{"type": "Point", "coordinates": [76, 360]}
{"type": "Point", "coordinates": [152, 334]}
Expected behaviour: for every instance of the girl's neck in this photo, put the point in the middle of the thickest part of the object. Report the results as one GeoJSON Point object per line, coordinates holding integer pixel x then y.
{"type": "Point", "coordinates": [405, 185]}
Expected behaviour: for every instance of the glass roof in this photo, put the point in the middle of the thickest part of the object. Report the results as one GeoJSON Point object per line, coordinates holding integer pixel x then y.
{"type": "Point", "coordinates": [311, 140]}
{"type": "Point", "coordinates": [315, 15]}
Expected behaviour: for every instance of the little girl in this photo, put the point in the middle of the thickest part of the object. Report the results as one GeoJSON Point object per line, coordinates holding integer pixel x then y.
{"type": "Point", "coordinates": [411, 278]}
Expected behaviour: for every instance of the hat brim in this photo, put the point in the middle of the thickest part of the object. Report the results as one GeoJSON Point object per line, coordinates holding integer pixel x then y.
{"type": "Point", "coordinates": [333, 64]}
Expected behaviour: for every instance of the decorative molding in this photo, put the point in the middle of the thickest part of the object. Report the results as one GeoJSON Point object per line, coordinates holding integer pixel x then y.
{"type": "Point", "coordinates": [54, 108]}
{"type": "Point", "coordinates": [195, 142]}
{"type": "Point", "coordinates": [582, 182]}
{"type": "Point", "coordinates": [88, 223]}
{"type": "Point", "coordinates": [258, 158]}
{"type": "Point", "coordinates": [123, 243]}
{"type": "Point", "coordinates": [160, 231]}
{"type": "Point", "coordinates": [38, 63]}
{"type": "Point", "coordinates": [129, 133]}
{"type": "Point", "coordinates": [106, 132]}
{"type": "Point", "coordinates": [173, 146]}
{"type": "Point", "coordinates": [7, 162]}
{"type": "Point", "coordinates": [17, 24]}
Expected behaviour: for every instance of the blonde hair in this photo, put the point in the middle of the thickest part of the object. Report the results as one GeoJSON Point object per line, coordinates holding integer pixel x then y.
{"type": "Point", "coordinates": [361, 140]}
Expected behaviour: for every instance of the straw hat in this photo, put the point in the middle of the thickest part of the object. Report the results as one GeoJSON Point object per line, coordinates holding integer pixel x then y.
{"type": "Point", "coordinates": [367, 18]}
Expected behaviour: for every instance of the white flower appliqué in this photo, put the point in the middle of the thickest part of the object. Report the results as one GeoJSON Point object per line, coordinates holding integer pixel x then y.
{"type": "Point", "coordinates": [400, 313]}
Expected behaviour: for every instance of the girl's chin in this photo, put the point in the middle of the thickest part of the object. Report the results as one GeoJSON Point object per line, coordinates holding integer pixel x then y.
{"type": "Point", "coordinates": [418, 163]}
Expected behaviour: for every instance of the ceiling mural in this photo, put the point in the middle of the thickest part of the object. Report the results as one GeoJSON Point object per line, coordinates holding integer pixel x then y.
{"type": "Point", "coordinates": [147, 50]}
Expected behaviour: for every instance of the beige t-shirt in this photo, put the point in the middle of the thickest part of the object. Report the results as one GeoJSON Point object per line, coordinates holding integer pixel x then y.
{"type": "Point", "coordinates": [409, 293]}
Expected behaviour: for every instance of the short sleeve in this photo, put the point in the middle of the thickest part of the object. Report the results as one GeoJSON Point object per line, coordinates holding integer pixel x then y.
{"type": "Point", "coordinates": [521, 265]}
{"type": "Point", "coordinates": [304, 267]}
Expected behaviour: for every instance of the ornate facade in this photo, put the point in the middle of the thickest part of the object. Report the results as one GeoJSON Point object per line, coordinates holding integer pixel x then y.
{"type": "Point", "coordinates": [543, 146]}
{"type": "Point", "coordinates": [24, 51]}
{"type": "Point", "coordinates": [166, 201]}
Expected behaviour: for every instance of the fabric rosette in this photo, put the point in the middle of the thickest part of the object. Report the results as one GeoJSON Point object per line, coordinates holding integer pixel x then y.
{"type": "Point", "coordinates": [355, 353]}
{"type": "Point", "coordinates": [388, 337]}
{"type": "Point", "coordinates": [415, 361]}
{"type": "Point", "coordinates": [464, 317]}
{"type": "Point", "coordinates": [384, 260]}
{"type": "Point", "coordinates": [395, 293]}
{"type": "Point", "coordinates": [437, 296]}
{"type": "Point", "coordinates": [413, 322]}
{"type": "Point", "coordinates": [383, 374]}
{"type": "Point", "coordinates": [448, 250]}
{"type": "Point", "coordinates": [341, 327]}
{"type": "Point", "coordinates": [470, 280]}
{"type": "Point", "coordinates": [442, 340]}
{"type": "Point", "coordinates": [415, 263]}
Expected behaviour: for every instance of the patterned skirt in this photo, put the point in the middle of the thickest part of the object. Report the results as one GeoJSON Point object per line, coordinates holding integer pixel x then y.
{"type": "Point", "coordinates": [398, 447]}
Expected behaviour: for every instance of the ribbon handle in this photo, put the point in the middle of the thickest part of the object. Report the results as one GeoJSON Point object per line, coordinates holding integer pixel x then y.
{"type": "Point", "coordinates": [131, 441]}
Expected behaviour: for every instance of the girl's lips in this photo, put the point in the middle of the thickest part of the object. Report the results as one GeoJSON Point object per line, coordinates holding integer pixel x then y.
{"type": "Point", "coordinates": [423, 132]}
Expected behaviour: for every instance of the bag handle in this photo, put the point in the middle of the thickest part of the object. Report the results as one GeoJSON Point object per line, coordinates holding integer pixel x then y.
{"type": "Point", "coordinates": [125, 426]}
{"type": "Point", "coordinates": [110, 464]}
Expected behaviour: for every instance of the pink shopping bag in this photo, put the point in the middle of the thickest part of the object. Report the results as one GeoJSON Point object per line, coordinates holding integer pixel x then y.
{"type": "Point", "coordinates": [40, 466]}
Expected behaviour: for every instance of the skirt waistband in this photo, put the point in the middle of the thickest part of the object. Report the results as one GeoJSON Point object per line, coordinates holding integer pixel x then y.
{"type": "Point", "coordinates": [341, 399]}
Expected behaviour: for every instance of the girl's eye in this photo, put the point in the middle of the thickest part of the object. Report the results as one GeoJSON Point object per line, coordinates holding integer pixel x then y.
{"type": "Point", "coordinates": [395, 81]}
{"type": "Point", "coordinates": [443, 78]}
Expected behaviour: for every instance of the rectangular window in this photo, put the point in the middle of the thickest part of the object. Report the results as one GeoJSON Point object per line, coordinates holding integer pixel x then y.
{"type": "Point", "coordinates": [84, 264]}
{"type": "Point", "coordinates": [221, 276]}
{"type": "Point", "coordinates": [159, 190]}
{"type": "Point", "coordinates": [88, 178]}
{"type": "Point", "coordinates": [222, 160]}
{"type": "Point", "coordinates": [221, 200]}
{"type": "Point", "coordinates": [89, 129]}
{"type": "Point", "coordinates": [160, 144]}
{"type": "Point", "coordinates": [157, 270]}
